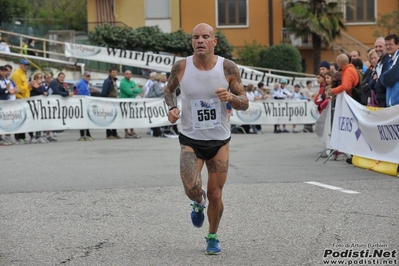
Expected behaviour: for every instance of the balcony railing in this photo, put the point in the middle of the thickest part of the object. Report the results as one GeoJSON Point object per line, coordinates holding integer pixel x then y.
{"type": "Point", "coordinates": [342, 44]}
{"type": "Point", "coordinates": [289, 37]}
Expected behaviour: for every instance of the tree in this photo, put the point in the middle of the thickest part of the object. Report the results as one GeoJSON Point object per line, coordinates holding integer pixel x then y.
{"type": "Point", "coordinates": [11, 9]}
{"type": "Point", "coordinates": [387, 24]}
{"type": "Point", "coordinates": [62, 14]}
{"type": "Point", "coordinates": [323, 19]}
{"type": "Point", "coordinates": [281, 57]}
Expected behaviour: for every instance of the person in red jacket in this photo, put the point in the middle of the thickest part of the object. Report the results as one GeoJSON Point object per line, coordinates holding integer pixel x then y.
{"type": "Point", "coordinates": [324, 67]}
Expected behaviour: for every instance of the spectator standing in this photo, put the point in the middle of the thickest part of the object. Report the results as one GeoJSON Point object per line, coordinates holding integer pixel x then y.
{"type": "Point", "coordinates": [285, 91]}
{"type": "Point", "coordinates": [390, 78]}
{"type": "Point", "coordinates": [83, 89]}
{"type": "Point", "coordinates": [31, 45]}
{"type": "Point", "coordinates": [350, 78]}
{"type": "Point", "coordinates": [262, 90]}
{"type": "Point", "coordinates": [110, 90]}
{"type": "Point", "coordinates": [24, 46]}
{"type": "Point", "coordinates": [156, 92]}
{"type": "Point", "coordinates": [277, 94]}
{"type": "Point", "coordinates": [252, 96]}
{"type": "Point", "coordinates": [36, 89]}
{"type": "Point", "coordinates": [355, 54]}
{"type": "Point", "coordinates": [6, 89]}
{"type": "Point", "coordinates": [129, 89]}
{"type": "Point", "coordinates": [307, 92]}
{"type": "Point", "coordinates": [323, 69]}
{"type": "Point", "coordinates": [57, 87]}
{"type": "Point", "coordinates": [366, 97]}
{"type": "Point", "coordinates": [46, 84]}
{"type": "Point", "coordinates": [334, 67]}
{"type": "Point", "coordinates": [20, 79]}
{"type": "Point", "coordinates": [381, 68]}
{"type": "Point", "coordinates": [164, 80]}
{"type": "Point", "coordinates": [149, 83]}
{"type": "Point", "coordinates": [11, 97]}
{"type": "Point", "coordinates": [147, 86]}
{"type": "Point", "coordinates": [296, 95]}
{"type": "Point", "coordinates": [328, 79]}
{"type": "Point", "coordinates": [4, 46]}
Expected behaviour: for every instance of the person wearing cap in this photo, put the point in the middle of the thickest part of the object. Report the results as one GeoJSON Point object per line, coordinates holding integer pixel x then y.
{"type": "Point", "coordinates": [21, 82]}
{"type": "Point", "coordinates": [288, 94]}
{"type": "Point", "coordinates": [82, 88]}
{"type": "Point", "coordinates": [324, 67]}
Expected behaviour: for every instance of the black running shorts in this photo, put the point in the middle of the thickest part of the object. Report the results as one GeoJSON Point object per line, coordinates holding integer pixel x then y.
{"type": "Point", "coordinates": [204, 149]}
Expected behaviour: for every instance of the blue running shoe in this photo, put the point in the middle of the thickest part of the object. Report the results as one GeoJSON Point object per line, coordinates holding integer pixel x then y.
{"type": "Point", "coordinates": [212, 246]}
{"type": "Point", "coordinates": [197, 213]}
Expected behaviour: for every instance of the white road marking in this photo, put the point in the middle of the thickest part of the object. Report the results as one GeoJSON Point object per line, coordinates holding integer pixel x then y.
{"type": "Point", "coordinates": [332, 187]}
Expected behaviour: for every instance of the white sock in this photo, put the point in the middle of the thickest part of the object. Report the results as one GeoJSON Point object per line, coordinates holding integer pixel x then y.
{"type": "Point", "coordinates": [202, 201]}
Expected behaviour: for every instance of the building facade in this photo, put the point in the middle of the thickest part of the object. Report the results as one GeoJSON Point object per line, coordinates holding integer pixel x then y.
{"type": "Point", "coordinates": [244, 21]}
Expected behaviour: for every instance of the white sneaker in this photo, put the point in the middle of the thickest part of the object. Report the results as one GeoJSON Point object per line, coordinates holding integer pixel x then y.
{"type": "Point", "coordinates": [34, 140]}
{"type": "Point", "coordinates": [341, 157]}
{"type": "Point", "coordinates": [7, 141]}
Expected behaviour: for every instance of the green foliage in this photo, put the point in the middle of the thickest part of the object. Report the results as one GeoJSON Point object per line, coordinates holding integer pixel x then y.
{"type": "Point", "coordinates": [178, 42]}
{"type": "Point", "coordinates": [13, 9]}
{"type": "Point", "coordinates": [152, 39]}
{"type": "Point", "coordinates": [249, 53]}
{"type": "Point", "coordinates": [223, 48]}
{"type": "Point", "coordinates": [61, 14]}
{"type": "Point", "coordinates": [281, 57]}
{"type": "Point", "coordinates": [387, 24]}
{"type": "Point", "coordinates": [320, 18]}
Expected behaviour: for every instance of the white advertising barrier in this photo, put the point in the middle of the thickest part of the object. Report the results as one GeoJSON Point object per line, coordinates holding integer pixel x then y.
{"type": "Point", "coordinates": [58, 113]}
{"type": "Point", "coordinates": [271, 112]}
{"type": "Point", "coordinates": [369, 134]}
{"type": "Point", "coordinates": [323, 126]}
{"type": "Point", "coordinates": [79, 112]}
{"type": "Point", "coordinates": [164, 63]}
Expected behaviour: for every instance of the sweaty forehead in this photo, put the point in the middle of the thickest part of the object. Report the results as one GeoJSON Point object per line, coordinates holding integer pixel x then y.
{"type": "Point", "coordinates": [203, 30]}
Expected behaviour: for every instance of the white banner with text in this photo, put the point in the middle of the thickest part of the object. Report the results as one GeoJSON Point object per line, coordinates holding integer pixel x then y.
{"type": "Point", "coordinates": [164, 63]}
{"type": "Point", "coordinates": [42, 113]}
{"type": "Point", "coordinates": [366, 133]}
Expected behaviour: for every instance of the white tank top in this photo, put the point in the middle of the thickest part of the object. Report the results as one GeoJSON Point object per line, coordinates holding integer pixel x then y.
{"type": "Point", "coordinates": [203, 115]}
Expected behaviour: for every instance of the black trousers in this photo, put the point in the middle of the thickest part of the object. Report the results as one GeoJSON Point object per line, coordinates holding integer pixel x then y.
{"type": "Point", "coordinates": [20, 136]}
{"type": "Point", "coordinates": [111, 132]}
{"type": "Point", "coordinates": [82, 133]}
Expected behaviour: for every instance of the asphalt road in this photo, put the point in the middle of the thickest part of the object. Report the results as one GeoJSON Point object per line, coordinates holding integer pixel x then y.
{"type": "Point", "coordinates": [121, 202]}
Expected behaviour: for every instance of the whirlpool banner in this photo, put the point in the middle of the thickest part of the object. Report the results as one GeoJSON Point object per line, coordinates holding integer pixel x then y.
{"type": "Point", "coordinates": [78, 112]}
{"type": "Point", "coordinates": [364, 132]}
{"type": "Point", "coordinates": [164, 62]}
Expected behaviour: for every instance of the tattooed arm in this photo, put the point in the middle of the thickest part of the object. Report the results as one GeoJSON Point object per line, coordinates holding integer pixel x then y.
{"type": "Point", "coordinates": [236, 97]}
{"type": "Point", "coordinates": [170, 89]}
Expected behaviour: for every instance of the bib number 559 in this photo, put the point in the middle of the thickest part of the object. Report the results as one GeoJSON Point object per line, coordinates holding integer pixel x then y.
{"type": "Point", "coordinates": [206, 114]}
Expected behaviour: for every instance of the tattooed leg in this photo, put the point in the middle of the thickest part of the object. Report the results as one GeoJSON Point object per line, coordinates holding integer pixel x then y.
{"type": "Point", "coordinates": [190, 172]}
{"type": "Point", "coordinates": [217, 172]}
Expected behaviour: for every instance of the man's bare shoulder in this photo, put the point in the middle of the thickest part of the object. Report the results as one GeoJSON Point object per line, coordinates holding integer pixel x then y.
{"type": "Point", "coordinates": [230, 68]}
{"type": "Point", "coordinates": [176, 75]}
{"type": "Point", "coordinates": [179, 66]}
